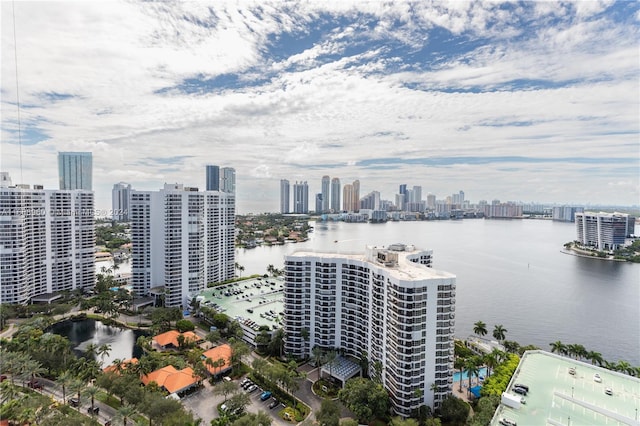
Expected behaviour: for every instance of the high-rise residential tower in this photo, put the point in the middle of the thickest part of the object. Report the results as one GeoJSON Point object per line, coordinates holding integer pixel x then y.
{"type": "Point", "coordinates": [603, 231]}
{"type": "Point", "coordinates": [228, 180]}
{"type": "Point", "coordinates": [213, 178]}
{"type": "Point", "coordinates": [120, 202]}
{"type": "Point", "coordinates": [326, 191]}
{"type": "Point", "coordinates": [388, 303]}
{"type": "Point", "coordinates": [47, 241]}
{"type": "Point", "coordinates": [301, 197]}
{"type": "Point", "coordinates": [347, 197]}
{"type": "Point", "coordinates": [284, 196]}
{"type": "Point", "coordinates": [75, 170]}
{"type": "Point", "coordinates": [335, 195]}
{"type": "Point", "coordinates": [182, 239]}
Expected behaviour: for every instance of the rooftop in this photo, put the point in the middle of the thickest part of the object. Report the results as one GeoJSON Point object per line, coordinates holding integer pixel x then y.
{"type": "Point", "coordinates": [557, 397]}
{"type": "Point", "coordinates": [219, 352]}
{"type": "Point", "coordinates": [171, 338]}
{"type": "Point", "coordinates": [396, 261]}
{"type": "Point", "coordinates": [257, 300]}
{"type": "Point", "coordinates": [171, 379]}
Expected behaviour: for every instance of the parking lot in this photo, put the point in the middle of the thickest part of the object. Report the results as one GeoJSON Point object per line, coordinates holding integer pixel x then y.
{"type": "Point", "coordinates": [204, 404]}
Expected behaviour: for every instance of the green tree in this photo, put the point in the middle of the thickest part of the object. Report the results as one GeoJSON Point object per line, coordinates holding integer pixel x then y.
{"type": "Point", "coordinates": [277, 342]}
{"type": "Point", "coordinates": [253, 419]}
{"type": "Point", "coordinates": [330, 359]}
{"type": "Point", "coordinates": [91, 392]}
{"type": "Point", "coordinates": [399, 421]}
{"type": "Point", "coordinates": [454, 410]}
{"type": "Point", "coordinates": [480, 328]}
{"type": "Point", "coordinates": [365, 398]}
{"type": "Point", "coordinates": [499, 332]}
{"type": "Point", "coordinates": [77, 387]}
{"type": "Point", "coordinates": [558, 347]}
{"type": "Point", "coordinates": [458, 364]}
{"type": "Point", "coordinates": [595, 357]}
{"type": "Point", "coordinates": [329, 413]}
{"type": "Point", "coordinates": [185, 325]}
{"type": "Point", "coordinates": [238, 402]}
{"type": "Point", "coordinates": [225, 389]}
{"type": "Point", "coordinates": [124, 413]}
{"type": "Point", "coordinates": [63, 381]}
{"type": "Point", "coordinates": [316, 356]}
{"type": "Point", "coordinates": [471, 366]}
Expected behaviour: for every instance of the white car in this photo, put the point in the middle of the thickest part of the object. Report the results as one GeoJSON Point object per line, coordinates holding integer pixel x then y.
{"type": "Point", "coordinates": [597, 378]}
{"type": "Point", "coordinates": [608, 391]}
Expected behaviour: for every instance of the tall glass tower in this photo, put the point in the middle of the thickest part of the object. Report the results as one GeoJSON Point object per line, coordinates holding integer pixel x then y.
{"type": "Point", "coordinates": [213, 178]}
{"type": "Point", "coordinates": [75, 170]}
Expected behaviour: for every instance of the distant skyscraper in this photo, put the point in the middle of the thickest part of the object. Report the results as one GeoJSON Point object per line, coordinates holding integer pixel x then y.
{"type": "Point", "coordinates": [213, 178]}
{"type": "Point", "coordinates": [228, 180]}
{"type": "Point", "coordinates": [356, 196]}
{"type": "Point", "coordinates": [284, 196]}
{"type": "Point", "coordinates": [75, 170]}
{"type": "Point", "coordinates": [301, 197]}
{"type": "Point", "coordinates": [120, 201]}
{"type": "Point", "coordinates": [319, 203]}
{"type": "Point", "coordinates": [402, 189]}
{"type": "Point", "coordinates": [347, 198]}
{"type": "Point", "coordinates": [326, 185]}
{"type": "Point", "coordinates": [49, 249]}
{"type": "Point", "coordinates": [431, 201]}
{"type": "Point", "coordinates": [335, 195]}
{"type": "Point", "coordinates": [182, 239]}
{"type": "Point", "coordinates": [603, 231]}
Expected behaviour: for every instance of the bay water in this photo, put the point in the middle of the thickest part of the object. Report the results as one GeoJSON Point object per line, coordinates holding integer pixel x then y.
{"type": "Point", "coordinates": [509, 272]}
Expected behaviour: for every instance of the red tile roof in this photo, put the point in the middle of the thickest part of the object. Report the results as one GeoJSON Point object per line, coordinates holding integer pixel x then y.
{"type": "Point", "coordinates": [171, 379]}
{"type": "Point", "coordinates": [219, 352]}
{"type": "Point", "coordinates": [171, 338]}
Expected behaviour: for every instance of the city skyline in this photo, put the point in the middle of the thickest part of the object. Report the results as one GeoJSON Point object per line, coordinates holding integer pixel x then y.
{"type": "Point", "coordinates": [532, 101]}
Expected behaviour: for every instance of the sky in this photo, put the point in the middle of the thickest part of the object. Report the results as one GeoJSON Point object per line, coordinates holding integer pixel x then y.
{"type": "Point", "coordinates": [516, 101]}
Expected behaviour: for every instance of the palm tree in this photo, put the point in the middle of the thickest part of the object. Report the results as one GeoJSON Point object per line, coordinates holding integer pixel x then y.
{"type": "Point", "coordinates": [377, 368]}
{"type": "Point", "coordinates": [595, 357]}
{"type": "Point", "coordinates": [558, 347]}
{"type": "Point", "coordinates": [64, 380]}
{"type": "Point", "coordinates": [91, 392]}
{"type": "Point", "coordinates": [103, 351]}
{"type": "Point", "coordinates": [316, 354]}
{"type": "Point", "coordinates": [490, 361]}
{"type": "Point", "coordinates": [77, 386]}
{"type": "Point", "coordinates": [434, 389]}
{"type": "Point", "coordinates": [471, 365]}
{"type": "Point", "coordinates": [480, 328]}
{"type": "Point", "coordinates": [458, 364]}
{"type": "Point", "coordinates": [499, 332]}
{"type": "Point", "coordinates": [91, 350]}
{"type": "Point", "coordinates": [330, 357]}
{"type": "Point", "coordinates": [125, 412]}
{"type": "Point", "coordinates": [625, 367]}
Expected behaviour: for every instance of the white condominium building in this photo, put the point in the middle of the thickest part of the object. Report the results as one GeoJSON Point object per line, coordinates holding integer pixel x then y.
{"type": "Point", "coordinates": [603, 231]}
{"type": "Point", "coordinates": [182, 240]}
{"type": "Point", "coordinates": [47, 241]}
{"type": "Point", "coordinates": [388, 303]}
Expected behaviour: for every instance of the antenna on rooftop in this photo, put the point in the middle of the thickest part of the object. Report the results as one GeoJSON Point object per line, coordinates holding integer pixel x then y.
{"type": "Point", "coordinates": [15, 55]}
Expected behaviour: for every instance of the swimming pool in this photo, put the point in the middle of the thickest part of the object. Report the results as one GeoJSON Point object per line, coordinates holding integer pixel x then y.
{"type": "Point", "coordinates": [465, 376]}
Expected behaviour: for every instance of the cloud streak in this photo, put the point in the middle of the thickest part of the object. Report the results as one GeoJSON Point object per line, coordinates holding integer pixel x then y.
{"type": "Point", "coordinates": [453, 95]}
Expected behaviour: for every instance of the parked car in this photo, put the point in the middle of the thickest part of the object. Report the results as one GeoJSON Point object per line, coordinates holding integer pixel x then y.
{"type": "Point", "coordinates": [520, 385]}
{"type": "Point", "coordinates": [252, 388]}
{"type": "Point", "coordinates": [3, 378]}
{"type": "Point", "coordinates": [507, 422]}
{"type": "Point", "coordinates": [95, 410]}
{"type": "Point", "coordinates": [597, 378]}
{"type": "Point", "coordinates": [608, 391]}
{"type": "Point", "coordinates": [245, 381]}
{"type": "Point", "coordinates": [273, 404]}
{"type": "Point", "coordinates": [34, 384]}
{"type": "Point", "coordinates": [74, 402]}
{"type": "Point", "coordinates": [247, 385]}
{"type": "Point", "coordinates": [265, 395]}
{"type": "Point", "coordinates": [572, 371]}
{"type": "Point", "coordinates": [520, 391]}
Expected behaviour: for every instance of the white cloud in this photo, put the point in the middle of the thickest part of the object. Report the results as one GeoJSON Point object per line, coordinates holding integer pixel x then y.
{"type": "Point", "coordinates": [338, 107]}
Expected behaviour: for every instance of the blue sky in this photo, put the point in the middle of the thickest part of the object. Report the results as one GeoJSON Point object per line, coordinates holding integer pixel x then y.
{"type": "Point", "coordinates": [521, 101]}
